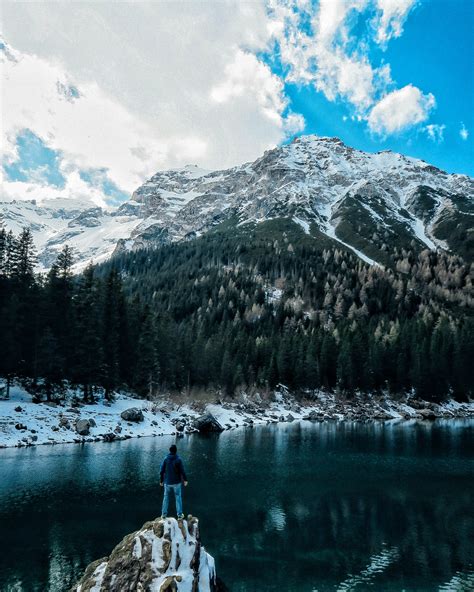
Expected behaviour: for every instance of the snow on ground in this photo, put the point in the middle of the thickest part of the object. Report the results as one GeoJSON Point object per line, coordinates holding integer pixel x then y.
{"type": "Point", "coordinates": [419, 230]}
{"type": "Point", "coordinates": [273, 294]}
{"type": "Point", "coordinates": [42, 420]}
{"type": "Point", "coordinates": [23, 422]}
{"type": "Point", "coordinates": [303, 223]}
{"type": "Point", "coordinates": [331, 232]}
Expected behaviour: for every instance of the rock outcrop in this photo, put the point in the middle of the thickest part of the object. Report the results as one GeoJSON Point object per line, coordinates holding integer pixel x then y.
{"type": "Point", "coordinates": [363, 201]}
{"type": "Point", "coordinates": [207, 423]}
{"type": "Point", "coordinates": [132, 414]}
{"type": "Point", "coordinates": [165, 555]}
{"type": "Point", "coordinates": [82, 427]}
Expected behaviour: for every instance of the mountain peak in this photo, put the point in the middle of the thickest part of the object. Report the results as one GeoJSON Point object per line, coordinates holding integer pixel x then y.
{"type": "Point", "coordinates": [367, 202]}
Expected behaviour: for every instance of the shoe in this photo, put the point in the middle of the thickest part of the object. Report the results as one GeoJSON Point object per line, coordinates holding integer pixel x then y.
{"type": "Point", "coordinates": [180, 516]}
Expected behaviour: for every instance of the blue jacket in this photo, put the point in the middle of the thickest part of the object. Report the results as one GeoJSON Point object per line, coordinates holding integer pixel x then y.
{"type": "Point", "coordinates": [172, 470]}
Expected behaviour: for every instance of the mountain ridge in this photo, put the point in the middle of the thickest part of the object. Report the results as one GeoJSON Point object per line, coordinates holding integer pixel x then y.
{"type": "Point", "coordinates": [365, 202]}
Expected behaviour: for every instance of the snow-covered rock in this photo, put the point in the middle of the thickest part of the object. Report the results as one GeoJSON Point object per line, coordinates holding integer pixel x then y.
{"type": "Point", "coordinates": [26, 423]}
{"type": "Point", "coordinates": [362, 200]}
{"type": "Point", "coordinates": [132, 414]}
{"type": "Point", "coordinates": [165, 555]}
{"type": "Point", "coordinates": [207, 423]}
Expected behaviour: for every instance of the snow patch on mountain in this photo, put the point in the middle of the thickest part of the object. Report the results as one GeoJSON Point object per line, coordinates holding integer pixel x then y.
{"type": "Point", "coordinates": [318, 182]}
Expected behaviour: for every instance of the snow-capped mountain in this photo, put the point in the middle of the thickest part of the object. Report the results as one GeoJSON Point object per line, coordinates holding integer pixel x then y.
{"type": "Point", "coordinates": [91, 231]}
{"type": "Point", "coordinates": [368, 202]}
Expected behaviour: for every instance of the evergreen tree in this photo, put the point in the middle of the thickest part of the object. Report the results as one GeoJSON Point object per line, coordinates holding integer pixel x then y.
{"type": "Point", "coordinates": [111, 333]}
{"type": "Point", "coordinates": [50, 363]}
{"type": "Point", "coordinates": [147, 367]}
{"type": "Point", "coordinates": [87, 339]}
{"type": "Point", "coordinates": [22, 254]}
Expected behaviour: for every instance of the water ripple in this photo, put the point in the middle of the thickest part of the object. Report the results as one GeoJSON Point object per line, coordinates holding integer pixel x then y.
{"type": "Point", "coordinates": [378, 563]}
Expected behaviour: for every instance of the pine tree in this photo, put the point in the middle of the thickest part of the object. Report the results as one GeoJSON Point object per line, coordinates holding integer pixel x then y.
{"type": "Point", "coordinates": [87, 342]}
{"type": "Point", "coordinates": [23, 258]}
{"type": "Point", "coordinates": [50, 362]}
{"type": "Point", "coordinates": [59, 309]}
{"type": "Point", "coordinates": [345, 368]}
{"type": "Point", "coordinates": [111, 333]}
{"type": "Point", "coordinates": [147, 367]}
{"type": "Point", "coordinates": [10, 348]}
{"type": "Point", "coordinates": [3, 249]}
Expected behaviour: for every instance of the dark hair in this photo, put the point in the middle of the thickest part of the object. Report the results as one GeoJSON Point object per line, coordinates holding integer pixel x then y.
{"type": "Point", "coordinates": [173, 449]}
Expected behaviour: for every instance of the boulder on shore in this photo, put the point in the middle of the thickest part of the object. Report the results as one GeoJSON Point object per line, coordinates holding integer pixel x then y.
{"type": "Point", "coordinates": [312, 416]}
{"type": "Point", "coordinates": [427, 413]}
{"type": "Point", "coordinates": [165, 555]}
{"type": "Point", "coordinates": [132, 414]}
{"type": "Point", "coordinates": [207, 423]}
{"type": "Point", "coordinates": [82, 427]}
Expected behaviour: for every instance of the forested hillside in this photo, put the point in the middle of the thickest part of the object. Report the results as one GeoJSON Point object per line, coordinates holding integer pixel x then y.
{"type": "Point", "coordinates": [249, 309]}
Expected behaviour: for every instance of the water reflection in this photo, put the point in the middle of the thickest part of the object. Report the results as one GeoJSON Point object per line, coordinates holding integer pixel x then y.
{"type": "Point", "coordinates": [378, 564]}
{"type": "Point", "coordinates": [299, 507]}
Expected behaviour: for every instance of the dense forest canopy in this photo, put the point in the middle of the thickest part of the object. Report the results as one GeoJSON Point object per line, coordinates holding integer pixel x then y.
{"type": "Point", "coordinates": [238, 309]}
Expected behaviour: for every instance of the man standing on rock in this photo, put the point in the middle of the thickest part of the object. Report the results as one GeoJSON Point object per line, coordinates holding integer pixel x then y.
{"type": "Point", "coordinates": [172, 475]}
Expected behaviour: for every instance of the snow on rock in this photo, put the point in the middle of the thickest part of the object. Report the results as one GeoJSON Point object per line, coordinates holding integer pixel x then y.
{"type": "Point", "coordinates": [165, 555]}
{"type": "Point", "coordinates": [303, 223]}
{"type": "Point", "coordinates": [25, 423]}
{"type": "Point", "coordinates": [306, 180]}
{"type": "Point", "coordinates": [207, 423]}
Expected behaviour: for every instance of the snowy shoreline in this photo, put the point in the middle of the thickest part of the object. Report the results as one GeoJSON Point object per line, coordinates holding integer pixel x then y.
{"type": "Point", "coordinates": [24, 423]}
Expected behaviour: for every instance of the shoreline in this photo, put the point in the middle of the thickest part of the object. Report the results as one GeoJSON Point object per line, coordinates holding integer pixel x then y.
{"type": "Point", "coordinates": [24, 423]}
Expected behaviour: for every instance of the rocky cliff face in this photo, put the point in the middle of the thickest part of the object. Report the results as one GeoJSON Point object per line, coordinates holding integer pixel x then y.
{"type": "Point", "coordinates": [163, 556]}
{"type": "Point", "coordinates": [370, 202]}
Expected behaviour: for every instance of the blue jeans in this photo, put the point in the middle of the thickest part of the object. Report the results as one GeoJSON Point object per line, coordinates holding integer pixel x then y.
{"type": "Point", "coordinates": [177, 495]}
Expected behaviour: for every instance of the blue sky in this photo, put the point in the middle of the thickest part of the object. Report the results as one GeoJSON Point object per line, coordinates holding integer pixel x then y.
{"type": "Point", "coordinates": [95, 111]}
{"type": "Point", "coordinates": [436, 52]}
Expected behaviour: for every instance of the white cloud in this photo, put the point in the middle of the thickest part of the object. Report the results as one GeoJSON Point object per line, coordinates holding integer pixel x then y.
{"type": "Point", "coordinates": [435, 132]}
{"type": "Point", "coordinates": [127, 88]}
{"type": "Point", "coordinates": [75, 188]}
{"type": "Point", "coordinates": [464, 132]}
{"type": "Point", "coordinates": [320, 47]}
{"type": "Point", "coordinates": [91, 131]}
{"type": "Point", "coordinates": [391, 18]}
{"type": "Point", "coordinates": [400, 109]}
{"type": "Point", "coordinates": [321, 57]}
{"type": "Point", "coordinates": [247, 77]}
{"type": "Point", "coordinates": [136, 87]}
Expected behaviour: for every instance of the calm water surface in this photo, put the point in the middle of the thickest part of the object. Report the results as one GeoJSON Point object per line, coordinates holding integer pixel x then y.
{"type": "Point", "coordinates": [299, 507]}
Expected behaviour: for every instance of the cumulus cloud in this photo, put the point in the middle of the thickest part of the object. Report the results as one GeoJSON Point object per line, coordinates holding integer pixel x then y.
{"type": "Point", "coordinates": [94, 130]}
{"type": "Point", "coordinates": [464, 132]}
{"type": "Point", "coordinates": [127, 90]}
{"type": "Point", "coordinates": [321, 56]}
{"type": "Point", "coordinates": [74, 188]}
{"type": "Point", "coordinates": [319, 46]}
{"type": "Point", "coordinates": [400, 109]}
{"type": "Point", "coordinates": [247, 77]}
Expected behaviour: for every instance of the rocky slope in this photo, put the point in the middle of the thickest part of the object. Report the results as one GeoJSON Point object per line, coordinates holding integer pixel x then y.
{"type": "Point", "coordinates": [164, 556]}
{"type": "Point", "coordinates": [368, 202]}
{"type": "Point", "coordinates": [92, 231]}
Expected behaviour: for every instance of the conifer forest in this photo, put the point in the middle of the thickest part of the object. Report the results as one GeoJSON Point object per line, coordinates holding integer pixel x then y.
{"type": "Point", "coordinates": [231, 311]}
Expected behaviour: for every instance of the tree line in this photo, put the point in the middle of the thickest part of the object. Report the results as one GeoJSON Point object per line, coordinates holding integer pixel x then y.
{"type": "Point", "coordinates": [234, 311]}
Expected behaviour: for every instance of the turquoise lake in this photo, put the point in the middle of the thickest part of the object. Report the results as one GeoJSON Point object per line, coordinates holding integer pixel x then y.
{"type": "Point", "coordinates": [288, 507]}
